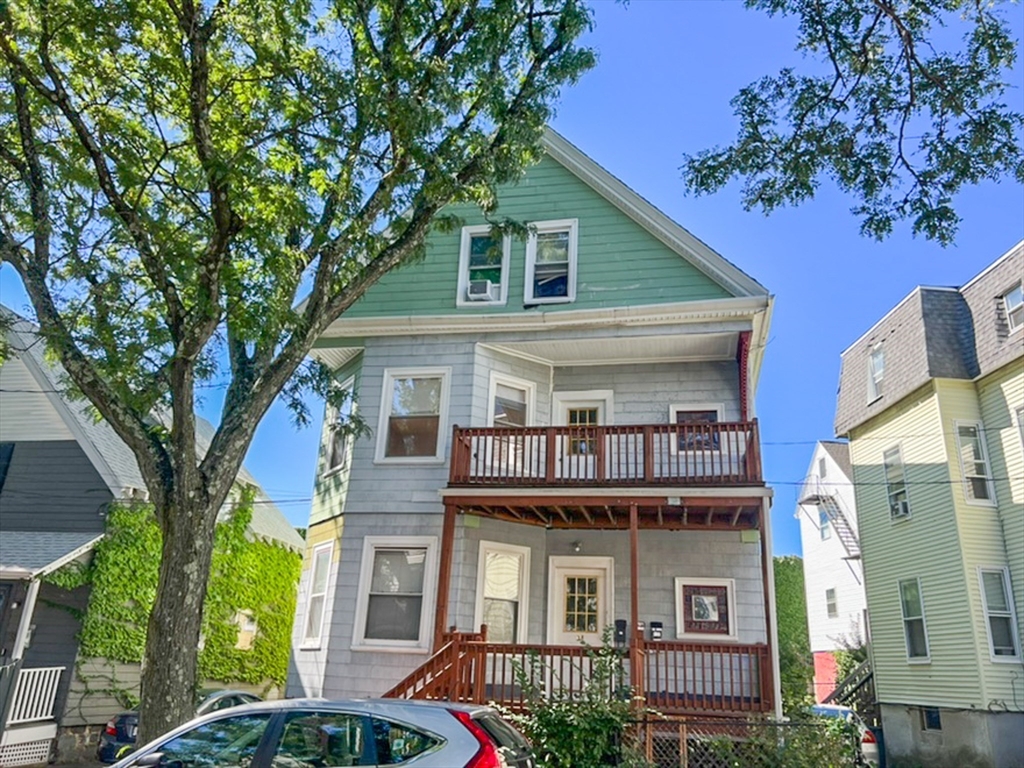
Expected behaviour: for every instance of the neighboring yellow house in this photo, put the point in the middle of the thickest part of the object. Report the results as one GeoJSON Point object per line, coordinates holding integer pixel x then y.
{"type": "Point", "coordinates": [932, 401]}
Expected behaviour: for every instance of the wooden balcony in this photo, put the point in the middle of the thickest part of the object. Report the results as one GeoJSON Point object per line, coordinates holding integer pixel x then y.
{"type": "Point", "coordinates": [720, 454]}
{"type": "Point", "coordinates": [671, 677]}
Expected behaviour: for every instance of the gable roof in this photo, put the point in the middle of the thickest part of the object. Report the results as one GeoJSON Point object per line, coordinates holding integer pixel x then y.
{"type": "Point", "coordinates": [108, 453]}
{"type": "Point", "coordinates": [840, 453]}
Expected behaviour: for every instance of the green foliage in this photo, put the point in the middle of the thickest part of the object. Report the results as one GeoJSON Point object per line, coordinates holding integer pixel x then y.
{"type": "Point", "coordinates": [248, 576]}
{"type": "Point", "coordinates": [889, 112]}
{"type": "Point", "coordinates": [796, 667]}
{"type": "Point", "coordinates": [848, 659]}
{"type": "Point", "coordinates": [810, 743]}
{"type": "Point", "coordinates": [583, 729]}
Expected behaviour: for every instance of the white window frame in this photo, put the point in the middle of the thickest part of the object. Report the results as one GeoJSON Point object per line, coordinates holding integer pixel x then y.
{"type": "Point", "coordinates": [989, 483]}
{"type": "Point", "coordinates": [675, 408]}
{"type": "Point", "coordinates": [310, 641]}
{"type": "Point", "coordinates": [387, 389]}
{"type": "Point", "coordinates": [349, 386]}
{"type": "Point", "coordinates": [516, 383]}
{"type": "Point", "coordinates": [603, 398]}
{"type": "Point", "coordinates": [831, 605]}
{"type": "Point", "coordinates": [824, 525]}
{"type": "Point", "coordinates": [555, 225]}
{"type": "Point", "coordinates": [730, 595]}
{"type": "Point", "coordinates": [468, 233]}
{"type": "Point", "coordinates": [1011, 614]}
{"type": "Point", "coordinates": [522, 623]}
{"type": "Point", "coordinates": [875, 380]}
{"type": "Point", "coordinates": [1020, 424]}
{"type": "Point", "coordinates": [927, 658]}
{"type": "Point", "coordinates": [422, 644]}
{"type": "Point", "coordinates": [1019, 289]}
{"type": "Point", "coordinates": [906, 486]}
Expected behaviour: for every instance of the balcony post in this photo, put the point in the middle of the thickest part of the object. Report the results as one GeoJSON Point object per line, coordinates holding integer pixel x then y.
{"type": "Point", "coordinates": [770, 672]}
{"type": "Point", "coordinates": [635, 636]}
{"type": "Point", "coordinates": [742, 355]}
{"type": "Point", "coordinates": [444, 575]}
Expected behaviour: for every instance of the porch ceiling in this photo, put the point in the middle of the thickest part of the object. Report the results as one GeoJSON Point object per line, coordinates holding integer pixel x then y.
{"type": "Point", "coordinates": [594, 351]}
{"type": "Point", "coordinates": [612, 513]}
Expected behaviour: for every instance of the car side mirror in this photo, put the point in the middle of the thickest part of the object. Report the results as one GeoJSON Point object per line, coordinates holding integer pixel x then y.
{"type": "Point", "coordinates": [152, 760]}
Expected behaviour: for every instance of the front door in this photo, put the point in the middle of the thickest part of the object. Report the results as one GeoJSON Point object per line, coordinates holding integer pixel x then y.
{"type": "Point", "coordinates": [579, 599]}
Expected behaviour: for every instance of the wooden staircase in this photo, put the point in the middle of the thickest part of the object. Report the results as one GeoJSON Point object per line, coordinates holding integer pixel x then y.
{"type": "Point", "coordinates": [445, 676]}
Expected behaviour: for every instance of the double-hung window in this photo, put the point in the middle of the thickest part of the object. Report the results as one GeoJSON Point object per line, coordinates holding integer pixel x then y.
{"type": "Point", "coordinates": [396, 591]}
{"type": "Point", "coordinates": [876, 372]}
{"type": "Point", "coordinates": [974, 464]}
{"type": "Point", "coordinates": [695, 432]}
{"type": "Point", "coordinates": [831, 606]}
{"type": "Point", "coordinates": [414, 406]}
{"type": "Point", "coordinates": [339, 436]}
{"type": "Point", "coordinates": [915, 631]}
{"type": "Point", "coordinates": [551, 252]}
{"type": "Point", "coordinates": [502, 586]}
{"type": "Point", "coordinates": [483, 267]}
{"type": "Point", "coordinates": [895, 484]}
{"type": "Point", "coordinates": [1013, 302]}
{"type": "Point", "coordinates": [824, 525]}
{"type": "Point", "coordinates": [511, 401]}
{"type": "Point", "coordinates": [1002, 625]}
{"type": "Point", "coordinates": [317, 601]}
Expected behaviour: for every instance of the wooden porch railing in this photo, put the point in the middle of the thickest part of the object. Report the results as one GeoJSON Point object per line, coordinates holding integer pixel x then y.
{"type": "Point", "coordinates": [35, 693]}
{"type": "Point", "coordinates": [672, 677]}
{"type": "Point", "coordinates": [724, 453]}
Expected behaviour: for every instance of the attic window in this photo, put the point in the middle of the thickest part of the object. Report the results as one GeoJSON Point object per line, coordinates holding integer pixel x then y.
{"type": "Point", "coordinates": [1013, 302]}
{"type": "Point", "coordinates": [876, 372]}
{"type": "Point", "coordinates": [483, 267]}
{"type": "Point", "coordinates": [551, 262]}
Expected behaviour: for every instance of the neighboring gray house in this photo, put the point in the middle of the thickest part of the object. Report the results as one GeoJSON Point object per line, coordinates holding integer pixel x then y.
{"type": "Point", "coordinates": [563, 441]}
{"type": "Point", "coordinates": [60, 468]}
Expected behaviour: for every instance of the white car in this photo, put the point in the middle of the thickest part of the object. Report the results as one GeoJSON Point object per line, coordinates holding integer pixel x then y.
{"type": "Point", "coordinates": [314, 733]}
{"type": "Point", "coordinates": [868, 742]}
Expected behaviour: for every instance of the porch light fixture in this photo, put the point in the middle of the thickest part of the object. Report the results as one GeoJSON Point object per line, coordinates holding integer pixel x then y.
{"type": "Point", "coordinates": [577, 547]}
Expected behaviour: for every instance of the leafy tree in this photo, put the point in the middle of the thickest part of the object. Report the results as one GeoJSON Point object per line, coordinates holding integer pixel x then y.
{"type": "Point", "coordinates": [893, 117]}
{"type": "Point", "coordinates": [175, 175]}
{"type": "Point", "coordinates": [796, 669]}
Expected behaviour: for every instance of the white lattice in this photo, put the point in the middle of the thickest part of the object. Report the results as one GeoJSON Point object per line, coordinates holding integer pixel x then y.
{"type": "Point", "coordinates": [29, 753]}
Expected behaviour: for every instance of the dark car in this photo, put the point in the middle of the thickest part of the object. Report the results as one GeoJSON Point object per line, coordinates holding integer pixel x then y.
{"type": "Point", "coordinates": [118, 738]}
{"type": "Point", "coordinates": [315, 733]}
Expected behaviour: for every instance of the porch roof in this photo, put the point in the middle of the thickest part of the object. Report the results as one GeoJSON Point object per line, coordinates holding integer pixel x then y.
{"type": "Point", "coordinates": [30, 554]}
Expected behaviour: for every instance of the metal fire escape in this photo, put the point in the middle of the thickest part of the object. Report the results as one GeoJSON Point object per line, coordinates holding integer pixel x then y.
{"type": "Point", "coordinates": [830, 504]}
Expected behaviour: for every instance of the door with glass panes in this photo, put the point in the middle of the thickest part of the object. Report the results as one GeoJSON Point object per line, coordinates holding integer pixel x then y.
{"type": "Point", "coordinates": [579, 599]}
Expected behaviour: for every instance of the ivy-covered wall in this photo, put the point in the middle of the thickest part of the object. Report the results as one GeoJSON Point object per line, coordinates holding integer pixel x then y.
{"type": "Point", "coordinates": [250, 577]}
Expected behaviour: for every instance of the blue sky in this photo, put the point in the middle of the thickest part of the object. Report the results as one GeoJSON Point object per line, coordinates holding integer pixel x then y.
{"type": "Point", "coordinates": [666, 73]}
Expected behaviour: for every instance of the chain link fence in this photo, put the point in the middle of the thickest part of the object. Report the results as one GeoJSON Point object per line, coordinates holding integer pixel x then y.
{"type": "Point", "coordinates": [685, 743]}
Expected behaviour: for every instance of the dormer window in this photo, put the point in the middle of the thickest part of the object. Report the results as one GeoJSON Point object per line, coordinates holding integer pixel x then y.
{"type": "Point", "coordinates": [876, 372]}
{"type": "Point", "coordinates": [483, 267]}
{"type": "Point", "coordinates": [1013, 302]}
{"type": "Point", "coordinates": [551, 262]}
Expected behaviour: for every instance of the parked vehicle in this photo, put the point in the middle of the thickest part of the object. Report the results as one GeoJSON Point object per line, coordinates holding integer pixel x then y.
{"type": "Point", "coordinates": [868, 742]}
{"type": "Point", "coordinates": [118, 738]}
{"type": "Point", "coordinates": [314, 733]}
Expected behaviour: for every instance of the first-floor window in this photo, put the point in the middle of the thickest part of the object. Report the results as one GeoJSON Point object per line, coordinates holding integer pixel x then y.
{"type": "Point", "coordinates": [831, 607]}
{"type": "Point", "coordinates": [394, 591]}
{"type": "Point", "coordinates": [317, 593]}
{"type": "Point", "coordinates": [1002, 630]}
{"type": "Point", "coordinates": [502, 585]}
{"type": "Point", "coordinates": [914, 629]}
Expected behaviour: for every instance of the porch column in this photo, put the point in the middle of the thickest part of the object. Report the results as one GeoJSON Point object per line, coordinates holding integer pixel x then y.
{"type": "Point", "coordinates": [28, 607]}
{"type": "Point", "coordinates": [742, 356]}
{"type": "Point", "coordinates": [634, 635]}
{"type": "Point", "coordinates": [444, 574]}
{"type": "Point", "coordinates": [771, 680]}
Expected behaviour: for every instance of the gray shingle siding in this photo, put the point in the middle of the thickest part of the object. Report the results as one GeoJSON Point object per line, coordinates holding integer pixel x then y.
{"type": "Point", "coordinates": [949, 338]}
{"type": "Point", "coordinates": [994, 343]}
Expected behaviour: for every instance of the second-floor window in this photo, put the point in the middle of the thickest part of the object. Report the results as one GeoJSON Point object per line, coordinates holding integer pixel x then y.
{"type": "Point", "coordinates": [895, 484]}
{"type": "Point", "coordinates": [824, 526]}
{"type": "Point", "coordinates": [1014, 305]}
{"type": "Point", "coordinates": [974, 464]}
{"type": "Point", "coordinates": [414, 405]}
{"type": "Point", "coordinates": [914, 629]}
{"type": "Point", "coordinates": [551, 262]}
{"type": "Point", "coordinates": [876, 372]}
{"type": "Point", "coordinates": [483, 267]}
{"type": "Point", "coordinates": [831, 606]}
{"type": "Point", "coordinates": [339, 437]}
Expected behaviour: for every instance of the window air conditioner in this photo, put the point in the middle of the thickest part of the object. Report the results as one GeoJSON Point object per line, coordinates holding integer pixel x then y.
{"type": "Point", "coordinates": [900, 508]}
{"type": "Point", "coordinates": [480, 290]}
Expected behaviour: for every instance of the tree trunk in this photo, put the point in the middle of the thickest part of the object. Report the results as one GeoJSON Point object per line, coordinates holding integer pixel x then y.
{"type": "Point", "coordinates": [169, 673]}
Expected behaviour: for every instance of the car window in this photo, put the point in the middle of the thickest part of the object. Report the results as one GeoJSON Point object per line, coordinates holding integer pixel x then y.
{"type": "Point", "coordinates": [229, 742]}
{"type": "Point", "coordinates": [322, 740]}
{"type": "Point", "coordinates": [397, 743]}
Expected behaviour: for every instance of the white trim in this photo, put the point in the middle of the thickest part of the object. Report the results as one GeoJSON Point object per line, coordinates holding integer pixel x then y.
{"type": "Point", "coordinates": [1006, 308]}
{"type": "Point", "coordinates": [311, 642]}
{"type": "Point", "coordinates": [906, 486]}
{"type": "Point", "coordinates": [370, 545]}
{"type": "Point", "coordinates": [927, 658]}
{"type": "Point", "coordinates": [523, 622]}
{"type": "Point", "coordinates": [561, 402]}
{"type": "Point", "coordinates": [28, 607]}
{"type": "Point", "coordinates": [730, 596]}
{"type": "Point", "coordinates": [680, 492]}
{"type": "Point", "coordinates": [989, 484]}
{"type": "Point", "coordinates": [675, 408]}
{"type": "Point", "coordinates": [1008, 594]}
{"type": "Point", "coordinates": [876, 382]}
{"type": "Point", "coordinates": [349, 384]}
{"type": "Point", "coordinates": [569, 562]}
{"type": "Point", "coordinates": [773, 614]}
{"type": "Point", "coordinates": [463, 280]}
{"type": "Point", "coordinates": [886, 316]}
{"type": "Point", "coordinates": [544, 227]}
{"type": "Point", "coordinates": [1013, 250]}
{"type": "Point", "coordinates": [666, 230]}
{"type": "Point", "coordinates": [387, 388]}
{"type": "Point", "coordinates": [66, 558]}
{"type": "Point", "coordinates": [530, 387]}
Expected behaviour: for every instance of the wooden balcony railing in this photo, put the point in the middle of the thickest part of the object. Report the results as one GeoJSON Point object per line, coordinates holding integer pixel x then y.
{"type": "Point", "coordinates": [724, 453]}
{"type": "Point", "coordinates": [671, 677]}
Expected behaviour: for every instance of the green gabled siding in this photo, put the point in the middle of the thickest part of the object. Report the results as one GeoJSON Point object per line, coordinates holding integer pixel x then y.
{"type": "Point", "coordinates": [620, 263]}
{"type": "Point", "coordinates": [926, 546]}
